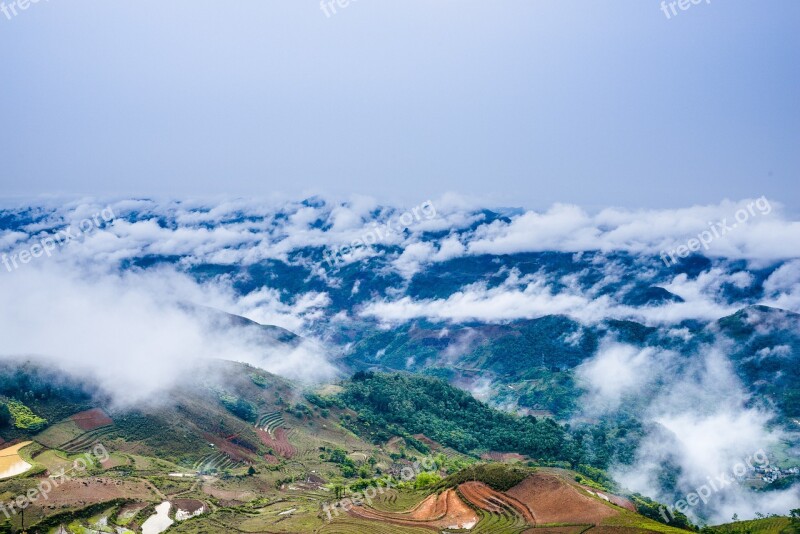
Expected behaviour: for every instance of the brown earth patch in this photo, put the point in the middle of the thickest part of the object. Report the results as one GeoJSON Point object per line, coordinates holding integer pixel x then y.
{"type": "Point", "coordinates": [80, 493]}
{"type": "Point", "coordinates": [228, 497]}
{"type": "Point", "coordinates": [92, 419]}
{"type": "Point", "coordinates": [280, 443]}
{"type": "Point", "coordinates": [443, 511]}
{"type": "Point", "coordinates": [235, 452]}
{"type": "Point", "coordinates": [554, 500]}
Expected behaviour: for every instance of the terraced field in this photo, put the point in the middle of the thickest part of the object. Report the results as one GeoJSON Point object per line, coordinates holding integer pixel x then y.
{"type": "Point", "coordinates": [269, 421]}
{"type": "Point", "coordinates": [86, 441]}
{"type": "Point", "coordinates": [354, 526]}
{"type": "Point", "coordinates": [505, 522]}
{"type": "Point", "coordinates": [395, 501]}
{"type": "Point", "coordinates": [278, 441]}
{"type": "Point", "coordinates": [494, 502]}
{"type": "Point", "coordinates": [218, 461]}
{"type": "Point", "coordinates": [445, 510]}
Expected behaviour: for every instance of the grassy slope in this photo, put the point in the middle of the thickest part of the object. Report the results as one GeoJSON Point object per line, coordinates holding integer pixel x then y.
{"type": "Point", "coordinates": [769, 525]}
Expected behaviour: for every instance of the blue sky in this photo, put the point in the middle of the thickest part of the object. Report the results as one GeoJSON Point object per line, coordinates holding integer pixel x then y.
{"type": "Point", "coordinates": [601, 103]}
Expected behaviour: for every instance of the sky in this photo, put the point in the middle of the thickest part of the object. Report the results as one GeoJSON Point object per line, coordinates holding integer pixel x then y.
{"type": "Point", "coordinates": [525, 103]}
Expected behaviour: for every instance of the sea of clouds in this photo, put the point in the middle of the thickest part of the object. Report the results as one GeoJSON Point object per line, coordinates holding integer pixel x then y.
{"type": "Point", "coordinates": [137, 329]}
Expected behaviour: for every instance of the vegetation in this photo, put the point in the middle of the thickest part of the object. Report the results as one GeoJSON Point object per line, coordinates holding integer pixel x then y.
{"type": "Point", "coordinates": [24, 418]}
{"type": "Point", "coordinates": [259, 380]}
{"type": "Point", "coordinates": [5, 416]}
{"type": "Point", "coordinates": [656, 511]}
{"type": "Point", "coordinates": [401, 404]}
{"type": "Point", "coordinates": [239, 407]}
{"type": "Point", "coordinates": [500, 477]}
{"type": "Point", "coordinates": [767, 525]}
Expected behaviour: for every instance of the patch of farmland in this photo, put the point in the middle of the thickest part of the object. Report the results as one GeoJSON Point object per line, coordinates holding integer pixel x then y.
{"type": "Point", "coordinates": [555, 500]}
{"type": "Point", "coordinates": [354, 526]}
{"type": "Point", "coordinates": [79, 493]}
{"type": "Point", "coordinates": [268, 422]}
{"type": "Point", "coordinates": [278, 441]}
{"type": "Point", "coordinates": [59, 433]}
{"type": "Point", "coordinates": [495, 503]}
{"type": "Point", "coordinates": [92, 419]}
{"type": "Point", "coordinates": [11, 463]}
{"type": "Point", "coordinates": [215, 462]}
{"type": "Point", "coordinates": [392, 500]}
{"type": "Point", "coordinates": [86, 441]}
{"type": "Point", "coordinates": [445, 510]}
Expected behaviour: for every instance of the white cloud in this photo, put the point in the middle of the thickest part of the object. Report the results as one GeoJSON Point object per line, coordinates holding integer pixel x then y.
{"type": "Point", "coordinates": [134, 332]}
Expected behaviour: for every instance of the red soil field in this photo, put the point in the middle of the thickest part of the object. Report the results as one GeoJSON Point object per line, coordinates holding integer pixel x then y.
{"type": "Point", "coordinates": [436, 512]}
{"type": "Point", "coordinates": [554, 500]}
{"type": "Point", "coordinates": [280, 443]}
{"type": "Point", "coordinates": [490, 500]}
{"type": "Point", "coordinates": [91, 419]}
{"type": "Point", "coordinates": [235, 452]}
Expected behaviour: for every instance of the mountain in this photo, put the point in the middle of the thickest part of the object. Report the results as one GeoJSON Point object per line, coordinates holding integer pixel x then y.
{"type": "Point", "coordinates": [246, 450]}
{"type": "Point", "coordinates": [467, 335]}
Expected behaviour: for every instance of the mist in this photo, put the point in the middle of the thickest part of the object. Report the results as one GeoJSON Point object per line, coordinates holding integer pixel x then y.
{"type": "Point", "coordinates": [702, 424]}
{"type": "Point", "coordinates": [138, 334]}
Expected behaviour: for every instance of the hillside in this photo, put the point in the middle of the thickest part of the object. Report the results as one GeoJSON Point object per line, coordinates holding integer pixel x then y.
{"type": "Point", "coordinates": [245, 450]}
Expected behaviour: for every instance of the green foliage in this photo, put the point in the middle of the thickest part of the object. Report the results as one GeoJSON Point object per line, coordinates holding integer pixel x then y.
{"type": "Point", "coordinates": [259, 380]}
{"type": "Point", "coordinates": [24, 418]}
{"type": "Point", "coordinates": [597, 478]}
{"type": "Point", "coordinates": [319, 401]}
{"type": "Point", "coordinates": [776, 376]}
{"type": "Point", "coordinates": [501, 477]}
{"type": "Point", "coordinates": [658, 512]}
{"type": "Point", "coordinates": [426, 480]}
{"type": "Point", "coordinates": [401, 404]}
{"type": "Point", "coordinates": [239, 407]}
{"type": "Point", "coordinates": [348, 467]}
{"type": "Point", "coordinates": [765, 525]}
{"type": "Point", "coordinates": [5, 416]}
{"type": "Point", "coordinates": [338, 456]}
{"type": "Point", "coordinates": [300, 410]}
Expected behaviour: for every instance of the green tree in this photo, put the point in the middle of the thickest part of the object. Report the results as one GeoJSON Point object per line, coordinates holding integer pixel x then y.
{"type": "Point", "coordinates": [5, 415]}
